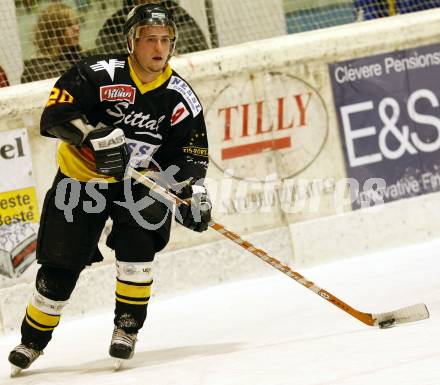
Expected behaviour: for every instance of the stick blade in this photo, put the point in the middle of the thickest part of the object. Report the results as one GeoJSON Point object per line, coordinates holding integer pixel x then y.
{"type": "Point", "coordinates": [400, 316]}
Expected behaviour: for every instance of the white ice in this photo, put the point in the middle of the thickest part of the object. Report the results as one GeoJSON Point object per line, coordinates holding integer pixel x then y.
{"type": "Point", "coordinates": [269, 331]}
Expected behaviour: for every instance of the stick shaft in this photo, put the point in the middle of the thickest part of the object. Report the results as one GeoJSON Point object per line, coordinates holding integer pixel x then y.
{"type": "Point", "coordinates": [363, 317]}
{"type": "Point", "coordinates": [366, 318]}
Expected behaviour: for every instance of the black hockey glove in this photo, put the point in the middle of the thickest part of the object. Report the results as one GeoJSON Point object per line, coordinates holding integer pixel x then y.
{"type": "Point", "coordinates": [110, 150]}
{"type": "Point", "coordinates": [197, 214]}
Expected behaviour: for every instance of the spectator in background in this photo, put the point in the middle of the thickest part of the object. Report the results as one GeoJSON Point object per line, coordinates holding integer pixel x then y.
{"type": "Point", "coordinates": [373, 9]}
{"type": "Point", "coordinates": [57, 44]}
{"type": "Point", "coordinates": [27, 5]}
{"type": "Point", "coordinates": [83, 5]}
{"type": "Point", "coordinates": [3, 78]}
{"type": "Point", "coordinates": [111, 38]}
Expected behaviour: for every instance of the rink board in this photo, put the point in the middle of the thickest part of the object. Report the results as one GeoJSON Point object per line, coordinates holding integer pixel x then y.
{"type": "Point", "coordinates": [274, 78]}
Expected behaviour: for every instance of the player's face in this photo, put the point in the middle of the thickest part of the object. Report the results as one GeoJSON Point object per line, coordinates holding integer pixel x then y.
{"type": "Point", "coordinates": [152, 48]}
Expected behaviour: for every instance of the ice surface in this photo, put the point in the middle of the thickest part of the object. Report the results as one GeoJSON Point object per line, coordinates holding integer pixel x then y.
{"type": "Point", "coordinates": [268, 331]}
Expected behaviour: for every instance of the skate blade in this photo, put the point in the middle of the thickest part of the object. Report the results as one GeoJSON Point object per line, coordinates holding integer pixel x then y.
{"type": "Point", "coordinates": [15, 370]}
{"type": "Point", "coordinates": [118, 363]}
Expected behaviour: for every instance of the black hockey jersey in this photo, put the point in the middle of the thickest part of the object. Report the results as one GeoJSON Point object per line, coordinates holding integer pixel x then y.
{"type": "Point", "coordinates": [162, 120]}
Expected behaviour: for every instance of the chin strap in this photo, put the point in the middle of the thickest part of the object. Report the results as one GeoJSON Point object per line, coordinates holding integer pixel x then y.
{"type": "Point", "coordinates": [130, 50]}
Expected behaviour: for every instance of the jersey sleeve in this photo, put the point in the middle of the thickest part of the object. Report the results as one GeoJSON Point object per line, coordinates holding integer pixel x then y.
{"type": "Point", "coordinates": [70, 98]}
{"type": "Point", "coordinates": [186, 147]}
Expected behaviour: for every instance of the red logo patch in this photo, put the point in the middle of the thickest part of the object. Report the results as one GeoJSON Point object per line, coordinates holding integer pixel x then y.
{"type": "Point", "coordinates": [118, 92]}
{"type": "Point", "coordinates": [180, 112]}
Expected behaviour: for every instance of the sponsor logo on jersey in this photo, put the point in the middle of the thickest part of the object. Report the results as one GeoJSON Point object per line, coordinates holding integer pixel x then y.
{"type": "Point", "coordinates": [198, 151]}
{"type": "Point", "coordinates": [184, 89]}
{"type": "Point", "coordinates": [131, 118]}
{"type": "Point", "coordinates": [109, 66]}
{"type": "Point", "coordinates": [180, 112]}
{"type": "Point", "coordinates": [118, 93]}
{"type": "Point", "coordinates": [140, 152]}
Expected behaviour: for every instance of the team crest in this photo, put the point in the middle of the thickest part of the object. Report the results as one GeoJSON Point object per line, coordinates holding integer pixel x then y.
{"type": "Point", "coordinates": [109, 66]}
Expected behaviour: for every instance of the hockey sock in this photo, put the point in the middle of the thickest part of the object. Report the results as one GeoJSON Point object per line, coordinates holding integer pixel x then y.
{"type": "Point", "coordinates": [53, 287]}
{"type": "Point", "coordinates": [133, 290]}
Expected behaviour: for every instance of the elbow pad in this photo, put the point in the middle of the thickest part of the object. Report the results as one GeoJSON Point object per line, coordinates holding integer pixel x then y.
{"type": "Point", "coordinates": [73, 132]}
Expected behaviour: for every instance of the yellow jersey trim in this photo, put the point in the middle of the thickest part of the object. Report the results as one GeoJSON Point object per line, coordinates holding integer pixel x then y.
{"type": "Point", "coordinates": [161, 79]}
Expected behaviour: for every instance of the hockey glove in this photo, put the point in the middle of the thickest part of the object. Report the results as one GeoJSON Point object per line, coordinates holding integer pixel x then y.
{"type": "Point", "coordinates": [110, 150]}
{"type": "Point", "coordinates": [197, 214]}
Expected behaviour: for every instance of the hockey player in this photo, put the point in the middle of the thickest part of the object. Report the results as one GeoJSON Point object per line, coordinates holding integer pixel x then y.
{"type": "Point", "coordinates": [103, 109]}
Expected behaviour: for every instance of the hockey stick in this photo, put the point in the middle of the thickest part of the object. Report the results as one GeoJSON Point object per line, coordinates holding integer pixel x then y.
{"type": "Point", "coordinates": [382, 320]}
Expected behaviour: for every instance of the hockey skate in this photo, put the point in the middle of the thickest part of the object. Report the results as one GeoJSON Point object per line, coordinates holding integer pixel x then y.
{"type": "Point", "coordinates": [122, 346]}
{"type": "Point", "coordinates": [21, 357]}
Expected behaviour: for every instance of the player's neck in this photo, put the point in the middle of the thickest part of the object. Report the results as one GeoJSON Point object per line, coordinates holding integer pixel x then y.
{"type": "Point", "coordinates": [144, 75]}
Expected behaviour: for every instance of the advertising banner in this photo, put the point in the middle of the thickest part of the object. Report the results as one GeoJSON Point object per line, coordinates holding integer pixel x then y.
{"type": "Point", "coordinates": [267, 134]}
{"type": "Point", "coordinates": [388, 112]}
{"type": "Point", "coordinates": [19, 213]}
{"type": "Point", "coordinates": [267, 123]}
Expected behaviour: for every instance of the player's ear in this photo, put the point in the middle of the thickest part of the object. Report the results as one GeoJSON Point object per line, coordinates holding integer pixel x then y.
{"type": "Point", "coordinates": [129, 47]}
